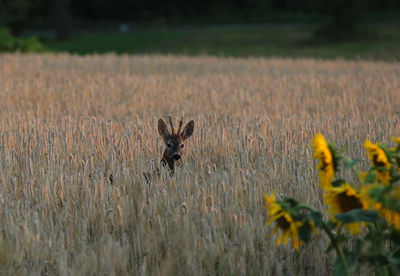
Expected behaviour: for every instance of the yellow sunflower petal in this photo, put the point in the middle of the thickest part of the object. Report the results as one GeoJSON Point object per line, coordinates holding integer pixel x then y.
{"type": "Point", "coordinates": [325, 157]}
{"type": "Point", "coordinates": [279, 240]}
{"type": "Point", "coordinates": [376, 154]}
{"type": "Point", "coordinates": [396, 140]}
{"type": "Point", "coordinates": [392, 217]}
{"type": "Point", "coordinates": [284, 222]}
{"type": "Point", "coordinates": [343, 199]}
{"type": "Point", "coordinates": [295, 243]}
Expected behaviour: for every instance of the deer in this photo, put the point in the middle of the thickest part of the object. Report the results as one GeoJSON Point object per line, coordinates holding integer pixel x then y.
{"type": "Point", "coordinates": [174, 142]}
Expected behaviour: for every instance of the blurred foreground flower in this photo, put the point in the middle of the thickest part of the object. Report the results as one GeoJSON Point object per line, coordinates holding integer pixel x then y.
{"type": "Point", "coordinates": [343, 199]}
{"type": "Point", "coordinates": [385, 200]}
{"type": "Point", "coordinates": [323, 153]}
{"type": "Point", "coordinates": [284, 222]}
{"type": "Point", "coordinates": [397, 141]}
{"type": "Point", "coordinates": [370, 218]}
{"type": "Point", "coordinates": [378, 157]}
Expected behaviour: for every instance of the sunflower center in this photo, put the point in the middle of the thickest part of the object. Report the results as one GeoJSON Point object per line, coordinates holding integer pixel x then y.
{"type": "Point", "coordinates": [348, 203]}
{"type": "Point", "coordinates": [377, 163]}
{"type": "Point", "coordinates": [283, 223]}
{"type": "Point", "coordinates": [325, 158]}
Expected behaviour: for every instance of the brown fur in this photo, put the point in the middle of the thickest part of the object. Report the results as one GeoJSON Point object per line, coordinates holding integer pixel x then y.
{"type": "Point", "coordinates": [174, 142]}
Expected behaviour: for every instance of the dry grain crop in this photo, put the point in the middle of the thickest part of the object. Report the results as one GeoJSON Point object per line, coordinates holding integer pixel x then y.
{"type": "Point", "coordinates": [67, 122]}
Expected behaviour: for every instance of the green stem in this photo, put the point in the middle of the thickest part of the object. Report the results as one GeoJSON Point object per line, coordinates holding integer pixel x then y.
{"type": "Point", "coordinates": [380, 247]}
{"type": "Point", "coordinates": [305, 207]}
{"type": "Point", "coordinates": [338, 249]}
{"type": "Point", "coordinates": [385, 270]}
{"type": "Point", "coordinates": [394, 251]}
{"type": "Point", "coordinates": [374, 244]}
{"type": "Point", "coordinates": [357, 173]}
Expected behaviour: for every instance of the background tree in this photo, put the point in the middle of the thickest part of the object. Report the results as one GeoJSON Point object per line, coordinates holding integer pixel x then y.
{"type": "Point", "coordinates": [13, 14]}
{"type": "Point", "coordinates": [341, 18]}
{"type": "Point", "coordinates": [61, 18]}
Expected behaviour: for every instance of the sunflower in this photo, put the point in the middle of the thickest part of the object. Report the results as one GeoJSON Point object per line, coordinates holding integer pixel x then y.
{"type": "Point", "coordinates": [378, 157]}
{"type": "Point", "coordinates": [326, 166]}
{"type": "Point", "coordinates": [391, 216]}
{"type": "Point", "coordinates": [397, 141]}
{"type": "Point", "coordinates": [397, 148]}
{"type": "Point", "coordinates": [362, 176]}
{"type": "Point", "coordinates": [284, 221]}
{"type": "Point", "coordinates": [343, 199]}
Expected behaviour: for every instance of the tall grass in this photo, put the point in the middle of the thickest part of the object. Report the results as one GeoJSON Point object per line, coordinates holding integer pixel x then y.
{"type": "Point", "coordinates": [68, 122]}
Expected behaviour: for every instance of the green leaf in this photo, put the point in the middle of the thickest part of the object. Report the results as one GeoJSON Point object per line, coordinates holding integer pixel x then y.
{"type": "Point", "coordinates": [349, 163]}
{"type": "Point", "coordinates": [382, 169]}
{"type": "Point", "coordinates": [394, 256]}
{"type": "Point", "coordinates": [330, 248]}
{"type": "Point", "coordinates": [377, 193]}
{"type": "Point", "coordinates": [377, 260]}
{"type": "Point", "coordinates": [343, 237]}
{"type": "Point", "coordinates": [394, 260]}
{"type": "Point", "coordinates": [316, 217]}
{"type": "Point", "coordinates": [353, 256]}
{"type": "Point", "coordinates": [339, 269]}
{"type": "Point", "coordinates": [370, 178]}
{"type": "Point", "coordinates": [394, 236]}
{"type": "Point", "coordinates": [331, 224]}
{"type": "Point", "coordinates": [305, 232]}
{"type": "Point", "coordinates": [358, 215]}
{"type": "Point", "coordinates": [336, 156]}
{"type": "Point", "coordinates": [338, 183]}
{"type": "Point", "coordinates": [395, 177]}
{"type": "Point", "coordinates": [290, 201]}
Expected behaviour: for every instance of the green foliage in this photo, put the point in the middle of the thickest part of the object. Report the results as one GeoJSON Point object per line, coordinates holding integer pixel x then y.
{"type": "Point", "coordinates": [352, 256]}
{"type": "Point", "coordinates": [13, 14]}
{"type": "Point", "coordinates": [370, 178]}
{"type": "Point", "coordinates": [339, 269]}
{"type": "Point", "coordinates": [254, 41]}
{"type": "Point", "coordinates": [364, 227]}
{"type": "Point", "coordinates": [350, 163]}
{"type": "Point", "coordinates": [344, 20]}
{"type": "Point", "coordinates": [305, 232]}
{"type": "Point", "coordinates": [31, 44]}
{"type": "Point", "coordinates": [338, 182]}
{"type": "Point", "coordinates": [8, 43]}
{"type": "Point", "coordinates": [358, 215]}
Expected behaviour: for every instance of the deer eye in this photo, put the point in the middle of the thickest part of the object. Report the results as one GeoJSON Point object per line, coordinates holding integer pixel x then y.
{"type": "Point", "coordinates": [169, 145]}
{"type": "Point", "coordinates": [182, 145]}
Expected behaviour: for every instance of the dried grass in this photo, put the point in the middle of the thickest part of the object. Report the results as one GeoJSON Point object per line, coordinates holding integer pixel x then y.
{"type": "Point", "coordinates": [68, 122]}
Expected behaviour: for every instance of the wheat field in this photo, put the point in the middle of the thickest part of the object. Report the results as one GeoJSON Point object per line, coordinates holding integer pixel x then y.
{"type": "Point", "coordinates": [69, 122]}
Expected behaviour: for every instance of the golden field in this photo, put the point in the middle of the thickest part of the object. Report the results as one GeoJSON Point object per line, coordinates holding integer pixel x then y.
{"type": "Point", "coordinates": [68, 122]}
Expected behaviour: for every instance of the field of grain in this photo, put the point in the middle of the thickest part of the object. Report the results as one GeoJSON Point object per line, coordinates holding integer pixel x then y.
{"type": "Point", "coordinates": [68, 122]}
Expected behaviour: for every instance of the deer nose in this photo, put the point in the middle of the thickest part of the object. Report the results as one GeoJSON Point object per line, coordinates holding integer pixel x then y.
{"type": "Point", "coordinates": [176, 156]}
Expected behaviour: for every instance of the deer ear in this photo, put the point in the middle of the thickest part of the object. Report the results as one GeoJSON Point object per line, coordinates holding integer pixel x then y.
{"type": "Point", "coordinates": [163, 129]}
{"type": "Point", "coordinates": [188, 130]}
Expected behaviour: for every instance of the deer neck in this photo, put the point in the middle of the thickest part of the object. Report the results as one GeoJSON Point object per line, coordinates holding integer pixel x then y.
{"type": "Point", "coordinates": [167, 160]}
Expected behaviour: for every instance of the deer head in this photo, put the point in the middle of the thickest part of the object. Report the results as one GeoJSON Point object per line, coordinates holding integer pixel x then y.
{"type": "Point", "coordinates": [175, 142]}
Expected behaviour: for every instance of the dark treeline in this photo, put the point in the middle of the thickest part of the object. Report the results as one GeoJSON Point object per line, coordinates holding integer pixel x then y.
{"type": "Point", "coordinates": [21, 14]}
{"type": "Point", "coordinates": [143, 10]}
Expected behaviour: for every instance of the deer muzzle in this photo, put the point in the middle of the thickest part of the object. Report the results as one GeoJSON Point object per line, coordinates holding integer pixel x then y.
{"type": "Point", "coordinates": [176, 156]}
